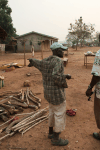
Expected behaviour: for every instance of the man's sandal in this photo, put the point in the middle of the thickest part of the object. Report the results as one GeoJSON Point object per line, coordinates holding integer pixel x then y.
{"type": "Point", "coordinates": [59, 142]}
{"type": "Point", "coordinates": [50, 136]}
{"type": "Point", "coordinates": [96, 136]}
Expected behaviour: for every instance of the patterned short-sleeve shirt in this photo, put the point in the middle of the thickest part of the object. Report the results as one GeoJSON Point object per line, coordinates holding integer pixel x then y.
{"type": "Point", "coordinates": [54, 80]}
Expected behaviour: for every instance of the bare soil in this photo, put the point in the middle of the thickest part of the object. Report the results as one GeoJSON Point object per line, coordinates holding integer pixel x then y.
{"type": "Point", "coordinates": [79, 128]}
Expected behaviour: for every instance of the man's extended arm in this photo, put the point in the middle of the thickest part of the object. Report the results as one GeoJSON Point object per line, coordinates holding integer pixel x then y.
{"type": "Point", "coordinates": [36, 63]}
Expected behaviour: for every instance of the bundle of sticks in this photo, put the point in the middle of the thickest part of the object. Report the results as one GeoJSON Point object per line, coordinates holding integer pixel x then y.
{"type": "Point", "coordinates": [25, 123]}
{"type": "Point", "coordinates": [16, 101]}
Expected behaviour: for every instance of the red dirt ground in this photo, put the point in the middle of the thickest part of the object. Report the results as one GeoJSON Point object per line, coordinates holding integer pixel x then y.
{"type": "Point", "coordinates": [79, 129]}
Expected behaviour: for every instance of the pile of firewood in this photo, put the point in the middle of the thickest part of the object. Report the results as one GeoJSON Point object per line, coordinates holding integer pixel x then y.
{"type": "Point", "coordinates": [22, 125]}
{"type": "Point", "coordinates": [15, 102]}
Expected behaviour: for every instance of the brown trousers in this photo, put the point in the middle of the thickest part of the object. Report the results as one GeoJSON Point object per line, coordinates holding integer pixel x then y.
{"type": "Point", "coordinates": [97, 110]}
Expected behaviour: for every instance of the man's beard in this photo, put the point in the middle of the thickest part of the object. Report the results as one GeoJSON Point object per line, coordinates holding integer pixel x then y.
{"type": "Point", "coordinates": [58, 53]}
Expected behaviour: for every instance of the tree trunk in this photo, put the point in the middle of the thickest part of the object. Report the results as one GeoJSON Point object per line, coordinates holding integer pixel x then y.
{"type": "Point", "coordinates": [76, 45]}
{"type": "Point", "coordinates": [81, 44]}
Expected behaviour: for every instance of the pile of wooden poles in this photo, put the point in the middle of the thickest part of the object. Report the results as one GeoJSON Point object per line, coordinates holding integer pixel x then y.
{"type": "Point", "coordinates": [14, 102]}
{"type": "Point", "coordinates": [25, 123]}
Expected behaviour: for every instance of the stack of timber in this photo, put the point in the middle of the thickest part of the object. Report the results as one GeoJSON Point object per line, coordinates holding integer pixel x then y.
{"type": "Point", "coordinates": [23, 124]}
{"type": "Point", "coordinates": [15, 102]}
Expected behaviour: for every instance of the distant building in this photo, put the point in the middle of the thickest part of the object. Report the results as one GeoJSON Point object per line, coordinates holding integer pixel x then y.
{"type": "Point", "coordinates": [40, 41]}
{"type": "Point", "coordinates": [12, 46]}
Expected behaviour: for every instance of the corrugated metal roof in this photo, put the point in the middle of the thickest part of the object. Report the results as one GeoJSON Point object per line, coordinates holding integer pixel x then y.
{"type": "Point", "coordinates": [13, 39]}
{"type": "Point", "coordinates": [36, 33]}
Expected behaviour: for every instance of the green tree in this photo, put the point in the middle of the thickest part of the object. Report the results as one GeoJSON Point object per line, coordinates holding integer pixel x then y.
{"type": "Point", "coordinates": [80, 31]}
{"type": "Point", "coordinates": [71, 40]}
{"type": "Point", "coordinates": [6, 20]}
{"type": "Point", "coordinates": [96, 39]}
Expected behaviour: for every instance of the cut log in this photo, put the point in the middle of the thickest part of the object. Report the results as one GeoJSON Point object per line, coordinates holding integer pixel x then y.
{"type": "Point", "coordinates": [36, 98]}
{"type": "Point", "coordinates": [2, 109]}
{"type": "Point", "coordinates": [7, 93]}
{"type": "Point", "coordinates": [17, 110]}
{"type": "Point", "coordinates": [33, 117]}
{"type": "Point", "coordinates": [7, 135]}
{"type": "Point", "coordinates": [23, 119]}
{"type": "Point", "coordinates": [3, 129]}
{"type": "Point", "coordinates": [4, 118]}
{"type": "Point", "coordinates": [24, 128]}
{"type": "Point", "coordinates": [34, 125]}
{"type": "Point", "coordinates": [33, 106]}
{"type": "Point", "coordinates": [26, 125]}
{"type": "Point", "coordinates": [18, 95]}
{"type": "Point", "coordinates": [9, 128]}
{"type": "Point", "coordinates": [4, 100]}
{"type": "Point", "coordinates": [6, 112]}
{"type": "Point", "coordinates": [35, 102]}
{"type": "Point", "coordinates": [16, 106]}
{"type": "Point", "coordinates": [19, 100]}
{"type": "Point", "coordinates": [27, 114]}
{"type": "Point", "coordinates": [27, 93]}
{"type": "Point", "coordinates": [24, 105]}
{"type": "Point", "coordinates": [22, 98]}
{"type": "Point", "coordinates": [9, 108]}
{"type": "Point", "coordinates": [3, 113]}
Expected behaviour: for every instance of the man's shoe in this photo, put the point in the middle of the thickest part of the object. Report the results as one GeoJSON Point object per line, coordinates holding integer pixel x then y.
{"type": "Point", "coordinates": [96, 136]}
{"type": "Point", "coordinates": [50, 136]}
{"type": "Point", "coordinates": [59, 142]}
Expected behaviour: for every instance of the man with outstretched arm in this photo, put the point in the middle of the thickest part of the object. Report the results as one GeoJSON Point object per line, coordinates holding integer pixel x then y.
{"type": "Point", "coordinates": [54, 83]}
{"type": "Point", "coordinates": [95, 81]}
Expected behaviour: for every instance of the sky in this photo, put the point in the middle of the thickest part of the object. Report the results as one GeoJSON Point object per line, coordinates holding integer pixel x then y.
{"type": "Point", "coordinates": [53, 17]}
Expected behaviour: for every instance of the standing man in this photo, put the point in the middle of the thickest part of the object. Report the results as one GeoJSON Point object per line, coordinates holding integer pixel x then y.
{"type": "Point", "coordinates": [95, 81]}
{"type": "Point", "coordinates": [32, 50]}
{"type": "Point", "coordinates": [54, 83]}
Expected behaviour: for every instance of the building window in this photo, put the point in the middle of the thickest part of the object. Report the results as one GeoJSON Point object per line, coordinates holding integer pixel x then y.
{"type": "Point", "coordinates": [30, 42]}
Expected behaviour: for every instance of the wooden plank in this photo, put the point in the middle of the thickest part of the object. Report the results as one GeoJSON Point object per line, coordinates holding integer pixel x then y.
{"type": "Point", "coordinates": [4, 100]}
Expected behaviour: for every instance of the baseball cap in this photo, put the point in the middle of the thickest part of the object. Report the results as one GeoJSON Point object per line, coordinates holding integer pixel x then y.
{"type": "Point", "coordinates": [57, 45]}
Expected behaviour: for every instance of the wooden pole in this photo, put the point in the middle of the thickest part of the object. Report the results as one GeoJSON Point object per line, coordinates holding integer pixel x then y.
{"type": "Point", "coordinates": [24, 55]}
{"type": "Point", "coordinates": [42, 54]}
{"type": "Point", "coordinates": [41, 51]}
